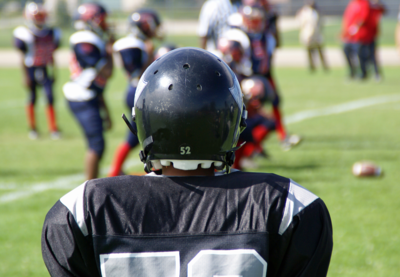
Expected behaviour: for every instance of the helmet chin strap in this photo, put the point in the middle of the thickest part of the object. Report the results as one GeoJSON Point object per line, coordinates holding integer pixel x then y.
{"type": "Point", "coordinates": [147, 145]}
{"type": "Point", "coordinates": [129, 125]}
{"type": "Point", "coordinates": [143, 155]}
{"type": "Point", "coordinates": [230, 157]}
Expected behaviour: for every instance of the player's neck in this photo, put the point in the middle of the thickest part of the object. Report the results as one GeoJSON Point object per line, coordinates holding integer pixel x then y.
{"type": "Point", "coordinates": [171, 171]}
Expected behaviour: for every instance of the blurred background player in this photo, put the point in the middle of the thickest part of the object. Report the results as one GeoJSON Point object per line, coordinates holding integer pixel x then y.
{"type": "Point", "coordinates": [37, 42]}
{"type": "Point", "coordinates": [213, 21]}
{"type": "Point", "coordinates": [377, 9]}
{"type": "Point", "coordinates": [257, 91]}
{"type": "Point", "coordinates": [355, 36]}
{"type": "Point", "coordinates": [263, 45]}
{"type": "Point", "coordinates": [310, 20]}
{"type": "Point", "coordinates": [137, 52]}
{"type": "Point", "coordinates": [234, 48]}
{"type": "Point", "coordinates": [91, 66]}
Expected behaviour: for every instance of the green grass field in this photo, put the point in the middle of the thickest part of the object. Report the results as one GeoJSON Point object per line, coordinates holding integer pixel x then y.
{"type": "Point", "coordinates": [35, 174]}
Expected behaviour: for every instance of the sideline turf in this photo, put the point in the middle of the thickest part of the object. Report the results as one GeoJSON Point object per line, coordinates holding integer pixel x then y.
{"type": "Point", "coordinates": [363, 211]}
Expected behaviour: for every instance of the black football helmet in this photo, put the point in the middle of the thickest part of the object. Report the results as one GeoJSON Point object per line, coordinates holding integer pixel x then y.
{"type": "Point", "coordinates": [254, 18]}
{"type": "Point", "coordinates": [92, 16]}
{"type": "Point", "coordinates": [36, 14]}
{"type": "Point", "coordinates": [145, 22]}
{"type": "Point", "coordinates": [189, 111]}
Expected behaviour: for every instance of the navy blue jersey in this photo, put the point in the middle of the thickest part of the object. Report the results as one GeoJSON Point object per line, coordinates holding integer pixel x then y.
{"type": "Point", "coordinates": [88, 57]}
{"type": "Point", "coordinates": [259, 53]}
{"type": "Point", "coordinates": [133, 55]}
{"type": "Point", "coordinates": [237, 224]}
{"type": "Point", "coordinates": [38, 45]}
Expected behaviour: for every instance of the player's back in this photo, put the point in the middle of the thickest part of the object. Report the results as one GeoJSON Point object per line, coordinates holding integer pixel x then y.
{"type": "Point", "coordinates": [233, 224]}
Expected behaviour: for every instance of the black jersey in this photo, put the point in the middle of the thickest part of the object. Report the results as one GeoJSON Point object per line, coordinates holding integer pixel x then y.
{"type": "Point", "coordinates": [238, 224]}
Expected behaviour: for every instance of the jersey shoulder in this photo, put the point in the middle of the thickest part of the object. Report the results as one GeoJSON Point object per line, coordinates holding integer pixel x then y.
{"type": "Point", "coordinates": [127, 43]}
{"type": "Point", "coordinates": [23, 33]}
{"type": "Point", "coordinates": [87, 37]}
{"type": "Point", "coordinates": [289, 197]}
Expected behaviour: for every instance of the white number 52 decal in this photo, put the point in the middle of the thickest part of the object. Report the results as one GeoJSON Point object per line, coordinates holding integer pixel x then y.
{"type": "Point", "coordinates": [185, 150]}
{"type": "Point", "coordinates": [207, 263]}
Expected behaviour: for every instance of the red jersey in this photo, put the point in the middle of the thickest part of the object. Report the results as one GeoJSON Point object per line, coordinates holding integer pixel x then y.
{"type": "Point", "coordinates": [354, 21]}
{"type": "Point", "coordinates": [372, 23]}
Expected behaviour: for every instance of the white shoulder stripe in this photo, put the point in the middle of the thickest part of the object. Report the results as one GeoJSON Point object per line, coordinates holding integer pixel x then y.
{"type": "Point", "coordinates": [74, 200]}
{"type": "Point", "coordinates": [23, 34]}
{"type": "Point", "coordinates": [128, 42]}
{"type": "Point", "coordinates": [298, 199]}
{"type": "Point", "coordinates": [87, 37]}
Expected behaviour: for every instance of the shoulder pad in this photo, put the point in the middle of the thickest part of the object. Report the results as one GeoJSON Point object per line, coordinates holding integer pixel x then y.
{"type": "Point", "coordinates": [128, 42]}
{"type": "Point", "coordinates": [87, 37]}
{"type": "Point", "coordinates": [23, 34]}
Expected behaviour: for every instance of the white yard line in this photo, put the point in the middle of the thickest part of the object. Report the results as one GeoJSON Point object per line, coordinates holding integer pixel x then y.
{"type": "Point", "coordinates": [71, 181]}
{"type": "Point", "coordinates": [63, 183]}
{"type": "Point", "coordinates": [341, 108]}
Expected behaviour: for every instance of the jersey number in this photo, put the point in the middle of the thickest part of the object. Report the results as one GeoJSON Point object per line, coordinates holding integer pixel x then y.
{"type": "Point", "coordinates": [207, 263]}
{"type": "Point", "coordinates": [185, 150]}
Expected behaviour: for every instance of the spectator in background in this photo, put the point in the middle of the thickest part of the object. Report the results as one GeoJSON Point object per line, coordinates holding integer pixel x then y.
{"type": "Point", "coordinates": [377, 9]}
{"type": "Point", "coordinates": [37, 43]}
{"type": "Point", "coordinates": [355, 35]}
{"type": "Point", "coordinates": [213, 21]}
{"type": "Point", "coordinates": [311, 32]}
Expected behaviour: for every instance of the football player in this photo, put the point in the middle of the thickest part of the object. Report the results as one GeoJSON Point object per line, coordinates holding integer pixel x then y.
{"type": "Point", "coordinates": [188, 221]}
{"type": "Point", "coordinates": [234, 48]}
{"type": "Point", "coordinates": [37, 42]}
{"type": "Point", "coordinates": [91, 66]}
{"type": "Point", "coordinates": [136, 51]}
{"type": "Point", "coordinates": [263, 44]}
{"type": "Point", "coordinates": [257, 91]}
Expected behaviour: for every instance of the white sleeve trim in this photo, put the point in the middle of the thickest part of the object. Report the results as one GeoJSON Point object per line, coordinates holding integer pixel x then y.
{"type": "Point", "coordinates": [74, 201]}
{"type": "Point", "coordinates": [298, 198]}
